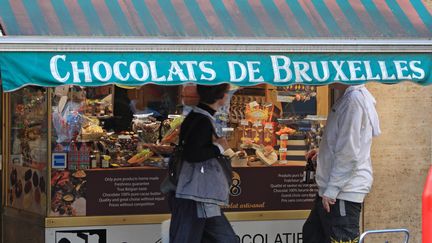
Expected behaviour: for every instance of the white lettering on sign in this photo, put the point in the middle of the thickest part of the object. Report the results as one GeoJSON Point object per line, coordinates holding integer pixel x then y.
{"type": "Point", "coordinates": [154, 73]}
{"type": "Point", "coordinates": [54, 69]}
{"type": "Point", "coordinates": [190, 68]}
{"type": "Point", "coordinates": [300, 69]}
{"type": "Point", "coordinates": [84, 71]}
{"type": "Point", "coordinates": [345, 71]}
{"type": "Point", "coordinates": [77, 70]}
{"type": "Point", "coordinates": [232, 70]}
{"type": "Point", "coordinates": [385, 75]}
{"type": "Point", "coordinates": [340, 75]}
{"type": "Point", "coordinates": [277, 68]}
{"type": "Point", "coordinates": [401, 67]}
{"type": "Point", "coordinates": [207, 70]}
{"type": "Point", "coordinates": [283, 68]}
{"type": "Point", "coordinates": [325, 69]}
{"type": "Point", "coordinates": [420, 71]}
{"type": "Point", "coordinates": [253, 68]}
{"type": "Point", "coordinates": [177, 71]}
{"type": "Point", "coordinates": [240, 72]}
{"type": "Point", "coordinates": [368, 69]}
{"type": "Point", "coordinates": [144, 71]}
{"type": "Point", "coordinates": [354, 67]}
{"type": "Point", "coordinates": [97, 71]}
{"type": "Point", "coordinates": [117, 71]}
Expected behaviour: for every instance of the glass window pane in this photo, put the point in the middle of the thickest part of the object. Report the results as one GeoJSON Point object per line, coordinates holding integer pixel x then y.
{"type": "Point", "coordinates": [28, 158]}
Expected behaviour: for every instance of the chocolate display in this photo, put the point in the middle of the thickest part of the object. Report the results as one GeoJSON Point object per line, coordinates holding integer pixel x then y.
{"type": "Point", "coordinates": [67, 188]}
{"type": "Point", "coordinates": [262, 130]}
{"type": "Point", "coordinates": [147, 128]}
{"type": "Point", "coordinates": [268, 127]}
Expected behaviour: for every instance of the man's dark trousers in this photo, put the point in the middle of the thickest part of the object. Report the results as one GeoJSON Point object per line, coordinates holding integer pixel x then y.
{"type": "Point", "coordinates": [341, 225]}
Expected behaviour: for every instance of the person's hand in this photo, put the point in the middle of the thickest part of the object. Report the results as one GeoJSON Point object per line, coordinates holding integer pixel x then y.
{"type": "Point", "coordinates": [326, 201]}
{"type": "Point", "coordinates": [312, 154]}
{"type": "Point", "coordinates": [221, 141]}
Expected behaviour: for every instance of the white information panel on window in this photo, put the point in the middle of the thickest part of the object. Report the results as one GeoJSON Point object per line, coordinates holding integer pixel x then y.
{"type": "Point", "coordinates": [275, 231]}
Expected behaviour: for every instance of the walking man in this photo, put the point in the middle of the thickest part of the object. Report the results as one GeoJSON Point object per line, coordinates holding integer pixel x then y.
{"type": "Point", "coordinates": [344, 169]}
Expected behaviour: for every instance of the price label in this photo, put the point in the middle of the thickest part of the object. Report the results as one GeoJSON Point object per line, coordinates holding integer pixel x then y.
{"type": "Point", "coordinates": [284, 98]}
{"type": "Point", "coordinates": [257, 124]}
{"type": "Point", "coordinates": [244, 123]}
{"type": "Point", "coordinates": [173, 116]}
{"type": "Point", "coordinates": [253, 104]}
{"type": "Point", "coordinates": [227, 129]}
{"type": "Point", "coordinates": [124, 137]}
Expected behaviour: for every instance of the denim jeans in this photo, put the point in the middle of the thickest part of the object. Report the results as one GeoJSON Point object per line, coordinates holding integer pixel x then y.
{"type": "Point", "coordinates": [186, 227]}
{"type": "Point", "coordinates": [341, 225]}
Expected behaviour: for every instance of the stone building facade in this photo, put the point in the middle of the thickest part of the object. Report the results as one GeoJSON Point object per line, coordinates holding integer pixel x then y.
{"type": "Point", "coordinates": [401, 156]}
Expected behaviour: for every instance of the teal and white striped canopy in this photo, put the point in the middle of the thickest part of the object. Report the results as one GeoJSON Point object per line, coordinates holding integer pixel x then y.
{"type": "Point", "coordinates": [216, 21]}
{"type": "Point", "coordinates": [345, 19]}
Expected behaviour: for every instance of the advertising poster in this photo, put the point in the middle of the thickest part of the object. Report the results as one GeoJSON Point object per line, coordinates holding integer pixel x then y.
{"type": "Point", "coordinates": [270, 188]}
{"type": "Point", "coordinates": [136, 191]}
{"type": "Point", "coordinates": [107, 192]}
{"type": "Point", "coordinates": [27, 189]}
{"type": "Point", "coordinates": [125, 192]}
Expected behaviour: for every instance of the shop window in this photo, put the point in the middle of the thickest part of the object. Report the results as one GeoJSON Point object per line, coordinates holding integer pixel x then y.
{"type": "Point", "coordinates": [28, 150]}
{"type": "Point", "coordinates": [107, 128]}
{"type": "Point", "coordinates": [268, 119]}
{"type": "Point", "coordinates": [121, 137]}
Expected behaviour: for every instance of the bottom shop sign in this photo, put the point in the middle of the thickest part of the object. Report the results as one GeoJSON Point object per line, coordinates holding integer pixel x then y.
{"type": "Point", "coordinates": [275, 231]}
{"type": "Point", "coordinates": [147, 233]}
{"type": "Point", "coordinates": [87, 236]}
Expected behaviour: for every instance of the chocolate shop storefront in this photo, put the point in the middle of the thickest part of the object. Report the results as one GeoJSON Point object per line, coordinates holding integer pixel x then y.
{"type": "Point", "coordinates": [94, 94]}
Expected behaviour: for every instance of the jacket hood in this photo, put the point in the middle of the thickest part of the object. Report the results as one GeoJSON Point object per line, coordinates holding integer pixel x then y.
{"type": "Point", "coordinates": [369, 107]}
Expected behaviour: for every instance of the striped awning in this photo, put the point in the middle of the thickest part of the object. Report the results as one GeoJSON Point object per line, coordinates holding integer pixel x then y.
{"type": "Point", "coordinates": [209, 19]}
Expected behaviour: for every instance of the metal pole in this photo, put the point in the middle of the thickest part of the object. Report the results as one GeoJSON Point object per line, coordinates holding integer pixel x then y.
{"type": "Point", "coordinates": [385, 231]}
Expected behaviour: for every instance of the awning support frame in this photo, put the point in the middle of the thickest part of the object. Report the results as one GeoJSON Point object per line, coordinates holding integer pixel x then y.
{"type": "Point", "coordinates": [79, 44]}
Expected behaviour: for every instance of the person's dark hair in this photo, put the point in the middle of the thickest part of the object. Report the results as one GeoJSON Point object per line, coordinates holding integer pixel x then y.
{"type": "Point", "coordinates": [209, 94]}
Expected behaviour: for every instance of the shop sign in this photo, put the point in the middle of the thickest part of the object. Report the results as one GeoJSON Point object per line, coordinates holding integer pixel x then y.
{"type": "Point", "coordinates": [87, 236]}
{"type": "Point", "coordinates": [280, 189]}
{"type": "Point", "coordinates": [59, 160]}
{"type": "Point", "coordinates": [275, 231]}
{"type": "Point", "coordinates": [137, 191]}
{"type": "Point", "coordinates": [126, 192]}
{"type": "Point", "coordinates": [149, 233]}
{"type": "Point", "coordinates": [95, 69]}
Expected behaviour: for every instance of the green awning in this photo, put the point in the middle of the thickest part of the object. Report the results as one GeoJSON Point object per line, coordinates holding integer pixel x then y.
{"type": "Point", "coordinates": [280, 42]}
{"type": "Point", "coordinates": [52, 69]}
